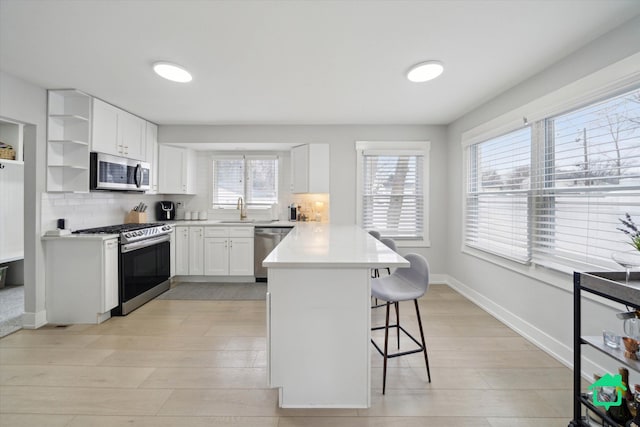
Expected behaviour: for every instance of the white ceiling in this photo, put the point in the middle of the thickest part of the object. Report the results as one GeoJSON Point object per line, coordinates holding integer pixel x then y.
{"type": "Point", "coordinates": [296, 62]}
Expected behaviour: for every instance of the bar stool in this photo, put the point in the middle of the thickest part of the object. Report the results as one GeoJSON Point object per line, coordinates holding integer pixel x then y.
{"type": "Point", "coordinates": [403, 285]}
{"type": "Point", "coordinates": [391, 244]}
{"type": "Point", "coordinates": [376, 234]}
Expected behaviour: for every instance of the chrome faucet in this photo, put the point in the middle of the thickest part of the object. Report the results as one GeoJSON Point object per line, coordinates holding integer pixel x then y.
{"type": "Point", "coordinates": [243, 209]}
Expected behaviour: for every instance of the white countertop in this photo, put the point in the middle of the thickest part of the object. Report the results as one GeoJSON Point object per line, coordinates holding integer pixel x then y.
{"type": "Point", "coordinates": [313, 245]}
{"type": "Point", "coordinates": [225, 223]}
{"type": "Point", "coordinates": [81, 237]}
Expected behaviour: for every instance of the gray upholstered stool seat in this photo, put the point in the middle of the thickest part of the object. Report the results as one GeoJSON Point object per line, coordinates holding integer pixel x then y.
{"type": "Point", "coordinates": [395, 288]}
{"type": "Point", "coordinates": [404, 284]}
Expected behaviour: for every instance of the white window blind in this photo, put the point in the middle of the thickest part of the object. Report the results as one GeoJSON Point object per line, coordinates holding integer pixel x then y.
{"type": "Point", "coordinates": [590, 178]}
{"type": "Point", "coordinates": [393, 193]}
{"type": "Point", "coordinates": [497, 196]}
{"type": "Point", "coordinates": [254, 178]}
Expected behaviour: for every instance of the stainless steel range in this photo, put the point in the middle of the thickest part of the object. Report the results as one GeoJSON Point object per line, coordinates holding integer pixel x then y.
{"type": "Point", "coordinates": [143, 262]}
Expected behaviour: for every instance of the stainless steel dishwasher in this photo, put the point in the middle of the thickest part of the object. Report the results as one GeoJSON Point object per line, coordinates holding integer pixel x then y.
{"type": "Point", "coordinates": [265, 239]}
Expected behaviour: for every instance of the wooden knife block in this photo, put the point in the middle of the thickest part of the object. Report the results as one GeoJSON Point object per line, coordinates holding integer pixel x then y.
{"type": "Point", "coordinates": [135, 217]}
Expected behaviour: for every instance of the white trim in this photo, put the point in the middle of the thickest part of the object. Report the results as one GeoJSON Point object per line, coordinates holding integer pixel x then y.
{"type": "Point", "coordinates": [616, 77]}
{"type": "Point", "coordinates": [34, 320]}
{"type": "Point", "coordinates": [418, 148]}
{"type": "Point", "coordinates": [545, 342]}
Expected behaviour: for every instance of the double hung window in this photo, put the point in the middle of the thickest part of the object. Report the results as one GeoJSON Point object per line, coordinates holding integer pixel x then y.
{"type": "Point", "coordinates": [392, 197]}
{"type": "Point", "coordinates": [254, 178]}
{"type": "Point", "coordinates": [552, 193]}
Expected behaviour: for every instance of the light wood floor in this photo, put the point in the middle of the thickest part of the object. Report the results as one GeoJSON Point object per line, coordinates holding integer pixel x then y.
{"type": "Point", "coordinates": [202, 363]}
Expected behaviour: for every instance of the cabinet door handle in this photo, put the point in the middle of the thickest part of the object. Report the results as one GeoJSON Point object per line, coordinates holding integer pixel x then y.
{"type": "Point", "coordinates": [230, 243]}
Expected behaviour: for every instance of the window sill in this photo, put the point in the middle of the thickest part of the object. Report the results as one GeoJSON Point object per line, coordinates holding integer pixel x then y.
{"type": "Point", "coordinates": [425, 243]}
{"type": "Point", "coordinates": [557, 279]}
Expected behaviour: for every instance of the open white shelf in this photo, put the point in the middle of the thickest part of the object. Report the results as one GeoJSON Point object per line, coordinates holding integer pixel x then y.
{"type": "Point", "coordinates": [68, 138]}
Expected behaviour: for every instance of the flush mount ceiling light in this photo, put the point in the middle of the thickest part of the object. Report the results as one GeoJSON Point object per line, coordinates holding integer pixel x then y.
{"type": "Point", "coordinates": [425, 71]}
{"type": "Point", "coordinates": [172, 72]}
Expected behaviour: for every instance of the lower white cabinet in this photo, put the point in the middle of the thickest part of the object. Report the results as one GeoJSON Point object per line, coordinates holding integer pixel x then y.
{"type": "Point", "coordinates": [182, 251]}
{"type": "Point", "coordinates": [82, 279]}
{"type": "Point", "coordinates": [216, 254]}
{"type": "Point", "coordinates": [196, 251]}
{"type": "Point", "coordinates": [214, 251]}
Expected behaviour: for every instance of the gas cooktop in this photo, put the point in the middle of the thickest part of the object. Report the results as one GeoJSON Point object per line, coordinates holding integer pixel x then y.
{"type": "Point", "coordinates": [130, 232]}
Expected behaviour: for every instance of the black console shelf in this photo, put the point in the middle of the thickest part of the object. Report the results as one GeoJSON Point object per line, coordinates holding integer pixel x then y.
{"type": "Point", "coordinates": [612, 286]}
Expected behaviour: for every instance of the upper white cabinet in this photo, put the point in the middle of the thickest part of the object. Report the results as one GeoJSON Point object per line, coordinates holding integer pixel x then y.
{"type": "Point", "coordinates": [310, 168]}
{"type": "Point", "coordinates": [68, 138]}
{"type": "Point", "coordinates": [117, 132]}
{"type": "Point", "coordinates": [151, 156]}
{"type": "Point", "coordinates": [177, 171]}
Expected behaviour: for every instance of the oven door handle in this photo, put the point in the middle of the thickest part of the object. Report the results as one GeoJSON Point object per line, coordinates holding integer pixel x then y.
{"type": "Point", "coordinates": [144, 243]}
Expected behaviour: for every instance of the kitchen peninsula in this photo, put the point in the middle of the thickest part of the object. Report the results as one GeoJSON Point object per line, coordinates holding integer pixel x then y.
{"type": "Point", "coordinates": [318, 315]}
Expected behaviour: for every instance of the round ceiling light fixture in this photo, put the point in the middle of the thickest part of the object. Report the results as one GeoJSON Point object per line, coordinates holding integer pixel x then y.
{"type": "Point", "coordinates": [425, 71]}
{"type": "Point", "coordinates": [172, 72]}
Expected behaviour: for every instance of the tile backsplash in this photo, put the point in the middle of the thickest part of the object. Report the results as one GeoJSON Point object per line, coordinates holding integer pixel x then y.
{"type": "Point", "coordinates": [95, 209]}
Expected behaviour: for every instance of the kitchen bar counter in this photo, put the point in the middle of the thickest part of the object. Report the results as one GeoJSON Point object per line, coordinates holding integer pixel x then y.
{"type": "Point", "coordinates": [319, 315]}
{"type": "Point", "coordinates": [313, 245]}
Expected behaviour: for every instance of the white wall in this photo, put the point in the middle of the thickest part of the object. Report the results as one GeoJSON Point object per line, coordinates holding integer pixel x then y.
{"type": "Point", "coordinates": [24, 102]}
{"type": "Point", "coordinates": [537, 303]}
{"type": "Point", "coordinates": [343, 163]}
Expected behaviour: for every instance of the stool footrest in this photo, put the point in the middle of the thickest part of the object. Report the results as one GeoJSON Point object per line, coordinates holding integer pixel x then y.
{"type": "Point", "coordinates": [403, 353]}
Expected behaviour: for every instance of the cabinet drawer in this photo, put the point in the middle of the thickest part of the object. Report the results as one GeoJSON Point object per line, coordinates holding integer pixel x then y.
{"type": "Point", "coordinates": [241, 232]}
{"type": "Point", "coordinates": [216, 232]}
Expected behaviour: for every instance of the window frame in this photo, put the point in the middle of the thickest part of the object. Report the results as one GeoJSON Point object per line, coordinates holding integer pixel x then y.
{"type": "Point", "coordinates": [245, 157]}
{"type": "Point", "coordinates": [397, 147]}
{"type": "Point", "coordinates": [548, 107]}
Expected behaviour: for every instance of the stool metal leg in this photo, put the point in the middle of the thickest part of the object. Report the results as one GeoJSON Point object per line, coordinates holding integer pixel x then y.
{"type": "Point", "coordinates": [386, 350]}
{"type": "Point", "coordinates": [424, 346]}
{"type": "Point", "coordinates": [398, 321]}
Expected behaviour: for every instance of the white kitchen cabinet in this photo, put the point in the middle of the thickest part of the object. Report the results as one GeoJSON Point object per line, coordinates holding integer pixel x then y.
{"type": "Point", "coordinates": [177, 170]}
{"type": "Point", "coordinates": [151, 156]}
{"type": "Point", "coordinates": [12, 133]}
{"type": "Point", "coordinates": [68, 138]}
{"type": "Point", "coordinates": [82, 279]}
{"type": "Point", "coordinates": [172, 262]}
{"type": "Point", "coordinates": [182, 251]}
{"type": "Point", "coordinates": [117, 132]}
{"type": "Point", "coordinates": [228, 251]}
{"type": "Point", "coordinates": [196, 251]}
{"type": "Point", "coordinates": [216, 256]}
{"type": "Point", "coordinates": [310, 168]}
{"type": "Point", "coordinates": [11, 210]}
{"type": "Point", "coordinates": [214, 251]}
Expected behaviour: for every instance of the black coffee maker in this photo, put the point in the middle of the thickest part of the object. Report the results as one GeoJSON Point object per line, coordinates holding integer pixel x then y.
{"type": "Point", "coordinates": [165, 211]}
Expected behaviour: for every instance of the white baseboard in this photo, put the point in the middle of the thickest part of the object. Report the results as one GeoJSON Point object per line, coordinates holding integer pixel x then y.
{"type": "Point", "coordinates": [556, 349]}
{"type": "Point", "coordinates": [34, 320]}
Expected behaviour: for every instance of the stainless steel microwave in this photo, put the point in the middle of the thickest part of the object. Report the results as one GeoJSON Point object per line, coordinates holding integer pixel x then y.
{"type": "Point", "coordinates": [118, 173]}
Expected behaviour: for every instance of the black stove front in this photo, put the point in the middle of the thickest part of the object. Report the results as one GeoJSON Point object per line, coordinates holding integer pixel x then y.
{"type": "Point", "coordinates": [143, 264]}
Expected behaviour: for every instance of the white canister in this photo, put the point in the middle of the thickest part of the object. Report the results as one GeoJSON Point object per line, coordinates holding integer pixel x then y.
{"type": "Point", "coordinates": [187, 215]}
{"type": "Point", "coordinates": [202, 215]}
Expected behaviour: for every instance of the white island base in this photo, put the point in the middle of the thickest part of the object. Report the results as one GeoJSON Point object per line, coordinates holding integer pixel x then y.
{"type": "Point", "coordinates": [319, 337]}
{"type": "Point", "coordinates": [319, 315]}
